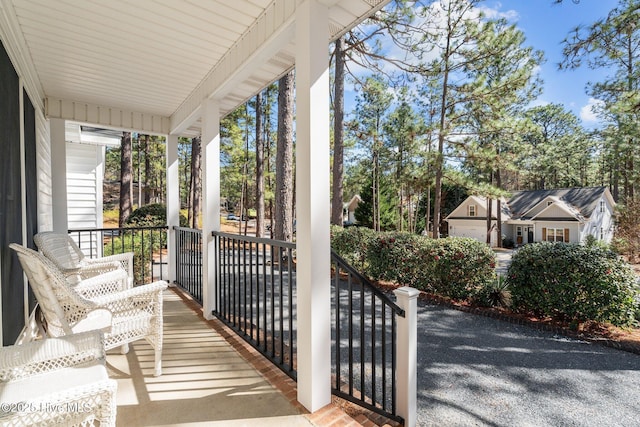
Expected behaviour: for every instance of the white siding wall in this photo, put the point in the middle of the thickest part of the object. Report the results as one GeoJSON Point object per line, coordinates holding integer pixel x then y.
{"type": "Point", "coordinates": [553, 211]}
{"type": "Point", "coordinates": [43, 165]}
{"type": "Point", "coordinates": [540, 207]}
{"type": "Point", "coordinates": [600, 220]}
{"type": "Point", "coordinates": [84, 188]}
{"type": "Point", "coordinates": [82, 185]}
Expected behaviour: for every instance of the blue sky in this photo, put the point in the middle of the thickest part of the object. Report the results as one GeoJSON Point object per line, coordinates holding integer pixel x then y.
{"type": "Point", "coordinates": [545, 25]}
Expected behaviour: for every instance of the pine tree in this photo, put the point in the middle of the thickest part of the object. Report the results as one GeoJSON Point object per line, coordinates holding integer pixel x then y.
{"type": "Point", "coordinates": [338, 135]}
{"type": "Point", "coordinates": [126, 179]}
{"type": "Point", "coordinates": [260, 161]}
{"type": "Point", "coordinates": [283, 227]}
{"type": "Point", "coordinates": [613, 43]}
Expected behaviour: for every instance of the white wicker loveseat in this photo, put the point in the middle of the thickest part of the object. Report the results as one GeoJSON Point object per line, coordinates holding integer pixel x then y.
{"type": "Point", "coordinates": [124, 316]}
{"type": "Point", "coordinates": [57, 381]}
{"type": "Point", "coordinates": [72, 262]}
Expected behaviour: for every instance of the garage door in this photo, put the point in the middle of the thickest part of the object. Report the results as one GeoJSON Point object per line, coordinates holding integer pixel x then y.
{"type": "Point", "coordinates": [475, 233]}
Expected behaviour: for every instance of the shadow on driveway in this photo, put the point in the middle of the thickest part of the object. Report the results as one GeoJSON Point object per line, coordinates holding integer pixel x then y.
{"type": "Point", "coordinates": [474, 370]}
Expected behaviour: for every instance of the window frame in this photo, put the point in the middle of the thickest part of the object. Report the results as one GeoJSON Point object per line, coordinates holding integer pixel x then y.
{"type": "Point", "coordinates": [555, 234]}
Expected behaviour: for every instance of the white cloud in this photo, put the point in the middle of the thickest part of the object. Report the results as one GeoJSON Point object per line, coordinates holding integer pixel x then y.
{"type": "Point", "coordinates": [495, 13]}
{"type": "Point", "coordinates": [588, 112]}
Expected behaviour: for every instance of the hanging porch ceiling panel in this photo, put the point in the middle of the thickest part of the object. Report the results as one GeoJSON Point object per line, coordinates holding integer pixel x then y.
{"type": "Point", "coordinates": [151, 63]}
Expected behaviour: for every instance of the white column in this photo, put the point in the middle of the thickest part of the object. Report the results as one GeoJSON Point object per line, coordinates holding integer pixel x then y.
{"type": "Point", "coordinates": [407, 351]}
{"type": "Point", "coordinates": [173, 201]}
{"type": "Point", "coordinates": [312, 203]}
{"type": "Point", "coordinates": [59, 175]}
{"type": "Point", "coordinates": [210, 200]}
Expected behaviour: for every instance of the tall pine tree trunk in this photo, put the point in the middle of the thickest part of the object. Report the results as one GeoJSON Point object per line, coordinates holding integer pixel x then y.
{"type": "Point", "coordinates": [195, 189]}
{"type": "Point", "coordinates": [259, 168]}
{"type": "Point", "coordinates": [147, 171]}
{"type": "Point", "coordinates": [338, 136]}
{"type": "Point", "coordinates": [437, 203]}
{"type": "Point", "coordinates": [489, 214]}
{"type": "Point", "coordinates": [283, 227]}
{"type": "Point", "coordinates": [126, 179]}
{"type": "Point", "coordinates": [499, 209]}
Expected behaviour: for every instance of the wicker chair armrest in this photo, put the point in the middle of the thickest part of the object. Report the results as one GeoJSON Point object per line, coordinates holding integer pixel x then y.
{"type": "Point", "coordinates": [87, 270]}
{"type": "Point", "coordinates": [149, 291]}
{"type": "Point", "coordinates": [124, 259]}
{"type": "Point", "coordinates": [105, 283]}
{"type": "Point", "coordinates": [32, 358]}
{"type": "Point", "coordinates": [126, 256]}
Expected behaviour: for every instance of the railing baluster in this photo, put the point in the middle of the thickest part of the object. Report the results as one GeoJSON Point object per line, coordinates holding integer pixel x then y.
{"type": "Point", "coordinates": [290, 291]}
{"type": "Point", "coordinates": [374, 387]}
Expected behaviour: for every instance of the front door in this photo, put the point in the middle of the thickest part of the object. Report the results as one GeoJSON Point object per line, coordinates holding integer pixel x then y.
{"type": "Point", "coordinates": [530, 235]}
{"type": "Point", "coordinates": [518, 235]}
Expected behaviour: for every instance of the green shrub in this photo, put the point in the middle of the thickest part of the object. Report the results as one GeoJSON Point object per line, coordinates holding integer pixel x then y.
{"type": "Point", "coordinates": [400, 258]}
{"type": "Point", "coordinates": [466, 266]}
{"type": "Point", "coordinates": [452, 267]}
{"type": "Point", "coordinates": [143, 243]}
{"type": "Point", "coordinates": [153, 215]}
{"type": "Point", "coordinates": [573, 282]}
{"type": "Point", "coordinates": [142, 249]}
{"type": "Point", "coordinates": [590, 241]}
{"type": "Point", "coordinates": [352, 244]}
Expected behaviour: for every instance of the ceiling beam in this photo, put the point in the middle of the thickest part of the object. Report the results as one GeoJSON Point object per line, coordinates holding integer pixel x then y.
{"type": "Point", "coordinates": [104, 116]}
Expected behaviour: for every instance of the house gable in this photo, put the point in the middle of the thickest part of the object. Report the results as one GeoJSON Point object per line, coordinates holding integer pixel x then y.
{"type": "Point", "coordinates": [479, 205]}
{"type": "Point", "coordinates": [557, 211]}
{"type": "Point", "coordinates": [541, 206]}
{"type": "Point", "coordinates": [475, 204]}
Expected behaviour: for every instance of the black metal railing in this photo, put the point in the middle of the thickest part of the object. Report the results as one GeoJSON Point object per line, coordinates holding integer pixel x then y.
{"type": "Point", "coordinates": [363, 341]}
{"type": "Point", "coordinates": [255, 292]}
{"type": "Point", "coordinates": [189, 261]}
{"type": "Point", "coordinates": [148, 244]}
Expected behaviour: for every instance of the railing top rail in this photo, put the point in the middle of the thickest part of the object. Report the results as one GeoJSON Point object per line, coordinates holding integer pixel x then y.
{"type": "Point", "coordinates": [193, 230]}
{"type": "Point", "coordinates": [281, 243]}
{"type": "Point", "coordinates": [384, 297]}
{"type": "Point", "coordinates": [85, 230]}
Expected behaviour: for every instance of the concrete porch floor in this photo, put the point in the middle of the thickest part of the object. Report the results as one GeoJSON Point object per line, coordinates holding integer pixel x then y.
{"type": "Point", "coordinates": [210, 377]}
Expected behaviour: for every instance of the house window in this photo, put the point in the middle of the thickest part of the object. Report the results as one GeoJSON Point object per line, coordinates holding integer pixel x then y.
{"type": "Point", "coordinates": [601, 233]}
{"type": "Point", "coordinates": [472, 210]}
{"type": "Point", "coordinates": [555, 234]}
{"type": "Point", "coordinates": [601, 205]}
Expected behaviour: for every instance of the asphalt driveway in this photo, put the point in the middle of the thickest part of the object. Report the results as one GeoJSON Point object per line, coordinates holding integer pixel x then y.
{"type": "Point", "coordinates": [478, 371]}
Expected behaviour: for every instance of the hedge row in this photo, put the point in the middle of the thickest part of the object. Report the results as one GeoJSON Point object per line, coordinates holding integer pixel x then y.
{"type": "Point", "coordinates": [573, 282]}
{"type": "Point", "coordinates": [459, 268]}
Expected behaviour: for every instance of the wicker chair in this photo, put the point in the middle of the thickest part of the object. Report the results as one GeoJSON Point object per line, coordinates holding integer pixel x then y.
{"type": "Point", "coordinates": [57, 381]}
{"type": "Point", "coordinates": [67, 256]}
{"type": "Point", "coordinates": [124, 316]}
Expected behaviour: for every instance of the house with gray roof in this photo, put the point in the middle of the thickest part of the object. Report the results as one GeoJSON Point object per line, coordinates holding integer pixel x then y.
{"type": "Point", "coordinates": [557, 215]}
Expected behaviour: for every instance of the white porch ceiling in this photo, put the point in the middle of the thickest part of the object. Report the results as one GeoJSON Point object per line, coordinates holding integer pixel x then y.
{"type": "Point", "coordinates": [148, 64]}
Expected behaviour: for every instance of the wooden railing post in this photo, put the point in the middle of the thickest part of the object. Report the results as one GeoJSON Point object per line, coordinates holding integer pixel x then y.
{"type": "Point", "coordinates": [407, 353]}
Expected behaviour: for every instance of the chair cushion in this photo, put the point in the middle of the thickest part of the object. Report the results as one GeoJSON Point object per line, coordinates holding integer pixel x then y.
{"type": "Point", "coordinates": [50, 383]}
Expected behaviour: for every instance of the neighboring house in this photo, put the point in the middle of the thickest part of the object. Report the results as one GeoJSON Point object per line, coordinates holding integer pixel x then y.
{"type": "Point", "coordinates": [559, 215]}
{"type": "Point", "coordinates": [349, 210]}
{"type": "Point", "coordinates": [469, 219]}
